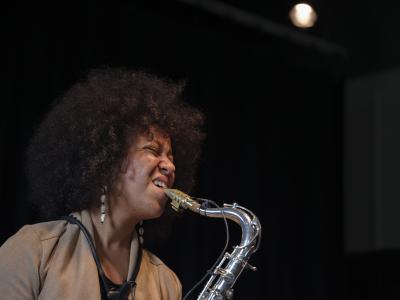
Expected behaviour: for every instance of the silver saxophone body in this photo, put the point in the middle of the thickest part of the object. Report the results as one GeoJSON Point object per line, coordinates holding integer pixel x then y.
{"type": "Point", "coordinates": [223, 277]}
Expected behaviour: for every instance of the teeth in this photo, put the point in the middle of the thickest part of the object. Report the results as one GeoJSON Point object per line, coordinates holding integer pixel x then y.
{"type": "Point", "coordinates": [160, 183]}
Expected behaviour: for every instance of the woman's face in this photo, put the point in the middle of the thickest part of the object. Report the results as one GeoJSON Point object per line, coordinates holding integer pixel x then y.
{"type": "Point", "coordinates": [149, 168]}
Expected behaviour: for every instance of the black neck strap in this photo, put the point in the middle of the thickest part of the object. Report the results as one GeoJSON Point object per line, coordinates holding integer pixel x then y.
{"type": "Point", "coordinates": [123, 292]}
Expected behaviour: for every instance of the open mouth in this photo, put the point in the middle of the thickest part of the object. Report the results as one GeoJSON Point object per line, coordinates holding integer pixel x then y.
{"type": "Point", "coordinates": [160, 184]}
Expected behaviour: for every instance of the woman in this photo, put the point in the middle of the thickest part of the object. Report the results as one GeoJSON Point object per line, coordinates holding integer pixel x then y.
{"type": "Point", "coordinates": [105, 152]}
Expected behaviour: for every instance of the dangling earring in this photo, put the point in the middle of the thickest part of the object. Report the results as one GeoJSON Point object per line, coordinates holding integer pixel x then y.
{"type": "Point", "coordinates": [140, 231]}
{"type": "Point", "coordinates": [103, 206]}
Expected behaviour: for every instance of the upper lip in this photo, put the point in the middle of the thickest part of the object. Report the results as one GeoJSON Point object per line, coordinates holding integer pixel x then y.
{"type": "Point", "coordinates": [163, 179]}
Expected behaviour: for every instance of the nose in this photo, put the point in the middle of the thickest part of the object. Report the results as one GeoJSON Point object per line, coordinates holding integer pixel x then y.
{"type": "Point", "coordinates": [167, 167]}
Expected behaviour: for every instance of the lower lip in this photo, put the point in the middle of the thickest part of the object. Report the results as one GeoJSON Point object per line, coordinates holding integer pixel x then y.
{"type": "Point", "coordinates": [159, 188]}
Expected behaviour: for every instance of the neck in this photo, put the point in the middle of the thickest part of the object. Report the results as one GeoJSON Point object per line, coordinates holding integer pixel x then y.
{"type": "Point", "coordinates": [117, 229]}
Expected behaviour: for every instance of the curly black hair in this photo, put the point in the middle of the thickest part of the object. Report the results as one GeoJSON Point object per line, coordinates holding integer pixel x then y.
{"type": "Point", "coordinates": [81, 144]}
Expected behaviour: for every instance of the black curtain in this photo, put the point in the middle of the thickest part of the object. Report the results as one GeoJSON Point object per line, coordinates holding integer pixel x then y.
{"type": "Point", "coordinates": [274, 115]}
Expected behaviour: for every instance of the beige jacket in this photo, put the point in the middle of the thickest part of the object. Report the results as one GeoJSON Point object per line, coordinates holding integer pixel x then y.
{"type": "Point", "coordinates": [52, 260]}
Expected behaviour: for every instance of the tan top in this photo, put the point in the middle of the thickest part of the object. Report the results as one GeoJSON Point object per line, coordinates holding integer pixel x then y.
{"type": "Point", "coordinates": [52, 260]}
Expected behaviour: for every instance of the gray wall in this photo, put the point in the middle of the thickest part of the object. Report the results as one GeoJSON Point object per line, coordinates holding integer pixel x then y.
{"type": "Point", "coordinates": [372, 162]}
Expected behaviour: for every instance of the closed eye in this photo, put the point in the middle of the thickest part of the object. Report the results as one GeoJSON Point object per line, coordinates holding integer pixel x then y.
{"type": "Point", "coordinates": [153, 150]}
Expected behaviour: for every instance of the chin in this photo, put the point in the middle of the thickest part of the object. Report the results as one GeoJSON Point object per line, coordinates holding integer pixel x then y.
{"type": "Point", "coordinates": [157, 212]}
{"type": "Point", "coordinates": [156, 206]}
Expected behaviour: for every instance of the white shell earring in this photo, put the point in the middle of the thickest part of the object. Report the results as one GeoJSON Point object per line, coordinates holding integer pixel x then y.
{"type": "Point", "coordinates": [140, 231]}
{"type": "Point", "coordinates": [102, 208]}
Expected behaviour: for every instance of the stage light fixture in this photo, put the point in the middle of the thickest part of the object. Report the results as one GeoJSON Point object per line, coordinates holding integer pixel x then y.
{"type": "Point", "coordinates": [303, 15]}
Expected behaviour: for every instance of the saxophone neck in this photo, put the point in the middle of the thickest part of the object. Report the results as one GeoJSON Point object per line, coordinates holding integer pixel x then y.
{"type": "Point", "coordinates": [248, 222]}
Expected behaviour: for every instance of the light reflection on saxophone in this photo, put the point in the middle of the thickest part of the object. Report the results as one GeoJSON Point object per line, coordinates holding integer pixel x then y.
{"type": "Point", "coordinates": [223, 277]}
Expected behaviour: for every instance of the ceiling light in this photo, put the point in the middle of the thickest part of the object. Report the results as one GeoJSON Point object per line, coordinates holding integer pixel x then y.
{"type": "Point", "coordinates": [303, 15]}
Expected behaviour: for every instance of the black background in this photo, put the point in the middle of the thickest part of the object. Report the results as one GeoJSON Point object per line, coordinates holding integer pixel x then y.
{"type": "Point", "coordinates": [274, 121]}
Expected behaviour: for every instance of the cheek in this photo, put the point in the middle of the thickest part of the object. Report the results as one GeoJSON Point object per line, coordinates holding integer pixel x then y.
{"type": "Point", "coordinates": [141, 170]}
{"type": "Point", "coordinates": [173, 180]}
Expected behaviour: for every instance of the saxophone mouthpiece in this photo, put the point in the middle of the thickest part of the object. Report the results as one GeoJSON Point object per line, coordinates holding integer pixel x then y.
{"type": "Point", "coordinates": [180, 200]}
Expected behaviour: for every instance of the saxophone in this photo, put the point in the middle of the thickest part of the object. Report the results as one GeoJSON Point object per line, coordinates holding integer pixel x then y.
{"type": "Point", "coordinates": [220, 284]}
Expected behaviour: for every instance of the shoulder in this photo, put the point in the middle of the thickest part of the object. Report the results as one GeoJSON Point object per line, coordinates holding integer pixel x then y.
{"type": "Point", "coordinates": [32, 242]}
{"type": "Point", "coordinates": [46, 230]}
{"type": "Point", "coordinates": [21, 258]}
{"type": "Point", "coordinates": [37, 233]}
{"type": "Point", "coordinates": [152, 258]}
{"type": "Point", "coordinates": [163, 270]}
{"type": "Point", "coordinates": [168, 284]}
